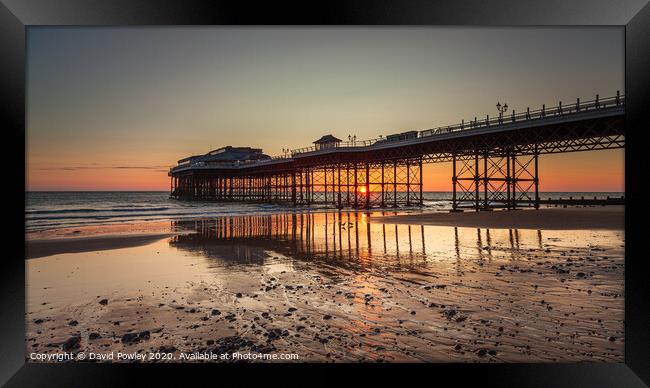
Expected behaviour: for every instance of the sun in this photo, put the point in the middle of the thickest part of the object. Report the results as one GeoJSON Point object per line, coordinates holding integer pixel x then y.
{"type": "Point", "coordinates": [362, 189]}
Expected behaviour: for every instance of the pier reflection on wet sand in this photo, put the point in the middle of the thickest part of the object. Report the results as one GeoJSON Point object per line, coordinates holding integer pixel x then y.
{"type": "Point", "coordinates": [343, 238]}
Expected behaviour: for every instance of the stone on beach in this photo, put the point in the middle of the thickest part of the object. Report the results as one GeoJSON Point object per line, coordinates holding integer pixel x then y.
{"type": "Point", "coordinates": [72, 343]}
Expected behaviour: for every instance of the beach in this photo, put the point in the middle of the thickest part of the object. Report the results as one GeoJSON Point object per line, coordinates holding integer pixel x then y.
{"type": "Point", "coordinates": [333, 287]}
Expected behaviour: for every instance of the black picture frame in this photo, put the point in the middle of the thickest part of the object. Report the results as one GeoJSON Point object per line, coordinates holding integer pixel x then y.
{"type": "Point", "coordinates": [18, 15]}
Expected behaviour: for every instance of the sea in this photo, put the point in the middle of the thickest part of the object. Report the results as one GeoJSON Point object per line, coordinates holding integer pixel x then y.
{"type": "Point", "coordinates": [53, 210]}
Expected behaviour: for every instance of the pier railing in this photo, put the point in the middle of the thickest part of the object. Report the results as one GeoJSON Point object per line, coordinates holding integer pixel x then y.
{"type": "Point", "coordinates": [544, 112]}
{"type": "Point", "coordinates": [488, 122]}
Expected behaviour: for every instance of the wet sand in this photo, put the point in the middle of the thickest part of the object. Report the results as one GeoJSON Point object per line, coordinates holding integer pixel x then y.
{"type": "Point", "coordinates": [121, 229]}
{"type": "Point", "coordinates": [48, 247]}
{"type": "Point", "coordinates": [97, 238]}
{"type": "Point", "coordinates": [573, 218]}
{"type": "Point", "coordinates": [334, 287]}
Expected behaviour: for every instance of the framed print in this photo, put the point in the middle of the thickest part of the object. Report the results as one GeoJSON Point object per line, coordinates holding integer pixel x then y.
{"type": "Point", "coordinates": [444, 189]}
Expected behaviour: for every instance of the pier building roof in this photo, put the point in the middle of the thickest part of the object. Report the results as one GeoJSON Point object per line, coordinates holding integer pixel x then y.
{"type": "Point", "coordinates": [327, 139]}
{"type": "Point", "coordinates": [227, 154]}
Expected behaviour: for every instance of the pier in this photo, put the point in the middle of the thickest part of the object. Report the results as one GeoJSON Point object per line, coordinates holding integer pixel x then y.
{"type": "Point", "coordinates": [495, 162]}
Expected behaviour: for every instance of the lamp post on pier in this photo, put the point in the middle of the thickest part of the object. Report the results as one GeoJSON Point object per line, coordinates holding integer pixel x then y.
{"type": "Point", "coordinates": [502, 109]}
{"type": "Point", "coordinates": [352, 140]}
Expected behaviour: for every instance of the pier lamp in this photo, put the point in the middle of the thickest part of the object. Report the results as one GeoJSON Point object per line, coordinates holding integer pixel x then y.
{"type": "Point", "coordinates": [352, 140]}
{"type": "Point", "coordinates": [502, 109]}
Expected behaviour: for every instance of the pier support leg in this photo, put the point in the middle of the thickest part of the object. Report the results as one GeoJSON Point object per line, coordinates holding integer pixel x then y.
{"type": "Point", "coordinates": [325, 183]}
{"type": "Point", "coordinates": [356, 197]}
{"type": "Point", "coordinates": [421, 183]}
{"type": "Point", "coordinates": [347, 184]}
{"type": "Point", "coordinates": [395, 183]}
{"type": "Point", "coordinates": [525, 180]}
{"type": "Point", "coordinates": [454, 203]}
{"type": "Point", "coordinates": [293, 188]}
{"type": "Point", "coordinates": [536, 178]}
{"type": "Point", "coordinates": [382, 185]}
{"type": "Point", "coordinates": [311, 186]}
{"type": "Point", "coordinates": [308, 186]}
{"type": "Point", "coordinates": [338, 168]}
{"type": "Point", "coordinates": [408, 184]}
{"type": "Point", "coordinates": [367, 193]}
{"type": "Point", "coordinates": [486, 184]}
{"type": "Point", "coordinates": [513, 171]}
{"type": "Point", "coordinates": [476, 182]}
{"type": "Point", "coordinates": [508, 182]}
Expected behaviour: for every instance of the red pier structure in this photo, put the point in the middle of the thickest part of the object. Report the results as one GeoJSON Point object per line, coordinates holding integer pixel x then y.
{"type": "Point", "coordinates": [494, 162]}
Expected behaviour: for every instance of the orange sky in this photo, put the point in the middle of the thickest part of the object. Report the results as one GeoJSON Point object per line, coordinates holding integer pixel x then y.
{"type": "Point", "coordinates": [602, 171]}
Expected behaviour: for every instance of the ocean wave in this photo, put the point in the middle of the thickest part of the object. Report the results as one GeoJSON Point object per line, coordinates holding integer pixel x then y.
{"type": "Point", "coordinates": [68, 222]}
{"type": "Point", "coordinates": [109, 216]}
{"type": "Point", "coordinates": [171, 213]}
{"type": "Point", "coordinates": [91, 210]}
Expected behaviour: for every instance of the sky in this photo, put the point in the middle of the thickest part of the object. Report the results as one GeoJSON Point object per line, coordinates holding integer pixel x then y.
{"type": "Point", "coordinates": [112, 108]}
